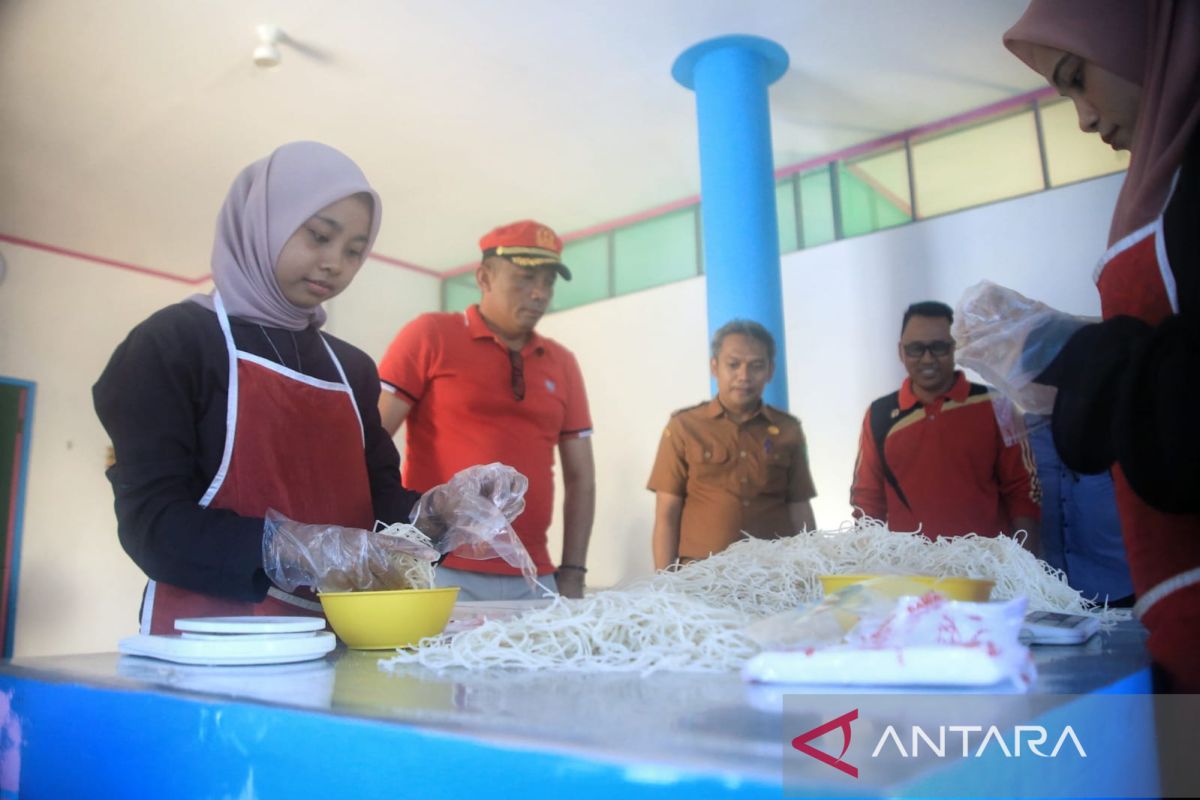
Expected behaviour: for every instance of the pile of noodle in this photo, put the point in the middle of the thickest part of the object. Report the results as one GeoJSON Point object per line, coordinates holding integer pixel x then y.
{"type": "Point", "coordinates": [694, 618]}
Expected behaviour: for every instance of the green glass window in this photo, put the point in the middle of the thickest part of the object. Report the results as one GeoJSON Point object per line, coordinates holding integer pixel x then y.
{"type": "Point", "coordinates": [1071, 154]}
{"type": "Point", "coordinates": [987, 161]}
{"type": "Point", "coordinates": [785, 212]}
{"type": "Point", "coordinates": [588, 262]}
{"type": "Point", "coordinates": [976, 165]}
{"type": "Point", "coordinates": [459, 292]}
{"type": "Point", "coordinates": [867, 203]}
{"type": "Point", "coordinates": [657, 251]}
{"type": "Point", "coordinates": [874, 192]}
{"type": "Point", "coordinates": [816, 207]}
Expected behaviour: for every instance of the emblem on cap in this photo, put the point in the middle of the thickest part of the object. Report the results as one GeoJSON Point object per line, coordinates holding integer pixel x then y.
{"type": "Point", "coordinates": [546, 238]}
{"type": "Point", "coordinates": [527, 244]}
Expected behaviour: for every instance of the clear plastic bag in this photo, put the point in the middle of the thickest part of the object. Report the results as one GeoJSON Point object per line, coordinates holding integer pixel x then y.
{"type": "Point", "coordinates": [332, 558]}
{"type": "Point", "coordinates": [867, 634]}
{"type": "Point", "coordinates": [1014, 423]}
{"type": "Point", "coordinates": [931, 619]}
{"type": "Point", "coordinates": [472, 514]}
{"type": "Point", "coordinates": [1010, 339]}
{"type": "Point", "coordinates": [828, 621]}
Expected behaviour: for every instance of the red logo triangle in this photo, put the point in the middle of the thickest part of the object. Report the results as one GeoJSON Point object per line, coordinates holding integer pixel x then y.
{"type": "Point", "coordinates": [842, 722]}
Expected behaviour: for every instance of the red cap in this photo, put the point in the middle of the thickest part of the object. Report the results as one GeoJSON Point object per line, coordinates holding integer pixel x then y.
{"type": "Point", "coordinates": [526, 244]}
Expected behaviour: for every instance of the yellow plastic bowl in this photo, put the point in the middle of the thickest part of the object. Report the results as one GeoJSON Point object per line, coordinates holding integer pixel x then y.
{"type": "Point", "coordinates": [969, 589]}
{"type": "Point", "coordinates": [387, 620]}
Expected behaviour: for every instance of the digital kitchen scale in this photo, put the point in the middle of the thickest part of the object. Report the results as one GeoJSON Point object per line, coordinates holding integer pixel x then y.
{"type": "Point", "coordinates": [235, 641]}
{"type": "Point", "coordinates": [1052, 627]}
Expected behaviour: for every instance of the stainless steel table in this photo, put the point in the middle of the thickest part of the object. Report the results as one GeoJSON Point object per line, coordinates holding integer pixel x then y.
{"type": "Point", "coordinates": [105, 725]}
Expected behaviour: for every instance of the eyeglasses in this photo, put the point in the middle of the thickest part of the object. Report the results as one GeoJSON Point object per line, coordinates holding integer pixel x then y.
{"type": "Point", "coordinates": [518, 374]}
{"type": "Point", "coordinates": [938, 349]}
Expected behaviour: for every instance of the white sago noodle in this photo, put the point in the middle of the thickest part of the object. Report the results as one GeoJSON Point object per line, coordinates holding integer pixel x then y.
{"type": "Point", "coordinates": [414, 572]}
{"type": "Point", "coordinates": [693, 618]}
{"type": "Point", "coordinates": [644, 630]}
{"type": "Point", "coordinates": [409, 571]}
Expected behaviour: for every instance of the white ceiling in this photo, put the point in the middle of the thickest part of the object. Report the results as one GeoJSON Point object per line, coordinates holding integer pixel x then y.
{"type": "Point", "coordinates": [122, 122]}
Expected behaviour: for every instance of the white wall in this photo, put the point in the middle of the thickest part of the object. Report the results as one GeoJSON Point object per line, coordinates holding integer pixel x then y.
{"type": "Point", "coordinates": [376, 306]}
{"type": "Point", "coordinates": [60, 319]}
{"type": "Point", "coordinates": [643, 355]}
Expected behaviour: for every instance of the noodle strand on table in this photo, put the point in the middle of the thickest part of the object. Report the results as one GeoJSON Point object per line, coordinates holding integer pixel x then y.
{"type": "Point", "coordinates": [693, 618]}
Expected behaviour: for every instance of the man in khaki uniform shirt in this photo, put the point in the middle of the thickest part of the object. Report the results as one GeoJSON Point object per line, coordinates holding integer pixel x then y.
{"type": "Point", "coordinates": [733, 463]}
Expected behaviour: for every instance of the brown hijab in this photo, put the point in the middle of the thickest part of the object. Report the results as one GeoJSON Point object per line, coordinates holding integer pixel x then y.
{"type": "Point", "coordinates": [1154, 43]}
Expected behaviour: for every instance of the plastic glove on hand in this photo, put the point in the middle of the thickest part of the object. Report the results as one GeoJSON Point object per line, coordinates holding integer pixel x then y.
{"type": "Point", "coordinates": [487, 495]}
{"type": "Point", "coordinates": [499, 483]}
{"type": "Point", "coordinates": [472, 515]}
{"type": "Point", "coordinates": [330, 558]}
{"type": "Point", "coordinates": [1010, 340]}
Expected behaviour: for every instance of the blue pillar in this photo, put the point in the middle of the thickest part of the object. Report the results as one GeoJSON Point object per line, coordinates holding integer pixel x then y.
{"type": "Point", "coordinates": [730, 76]}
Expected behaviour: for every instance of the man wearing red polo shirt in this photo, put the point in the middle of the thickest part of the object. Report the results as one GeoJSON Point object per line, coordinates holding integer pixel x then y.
{"type": "Point", "coordinates": [483, 386]}
{"type": "Point", "coordinates": [932, 456]}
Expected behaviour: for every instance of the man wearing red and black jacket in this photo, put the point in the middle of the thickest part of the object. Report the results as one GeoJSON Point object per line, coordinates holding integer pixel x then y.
{"type": "Point", "coordinates": [931, 456]}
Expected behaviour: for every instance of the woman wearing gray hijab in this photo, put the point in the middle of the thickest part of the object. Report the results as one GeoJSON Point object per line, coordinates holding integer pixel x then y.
{"type": "Point", "coordinates": [232, 403]}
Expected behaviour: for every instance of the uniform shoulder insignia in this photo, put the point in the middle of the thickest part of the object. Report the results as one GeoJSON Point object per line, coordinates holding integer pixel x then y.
{"type": "Point", "coordinates": [784, 414]}
{"type": "Point", "coordinates": [679, 411]}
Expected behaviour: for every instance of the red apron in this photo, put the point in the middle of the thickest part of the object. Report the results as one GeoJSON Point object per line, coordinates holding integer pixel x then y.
{"type": "Point", "coordinates": [293, 443]}
{"type": "Point", "coordinates": [1135, 279]}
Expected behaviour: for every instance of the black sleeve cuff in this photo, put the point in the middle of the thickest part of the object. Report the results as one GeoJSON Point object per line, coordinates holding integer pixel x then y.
{"type": "Point", "coordinates": [1087, 373]}
{"type": "Point", "coordinates": [1156, 426]}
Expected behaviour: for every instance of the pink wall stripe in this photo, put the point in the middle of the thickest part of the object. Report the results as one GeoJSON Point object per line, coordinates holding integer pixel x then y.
{"type": "Point", "coordinates": [603, 227]}
{"type": "Point", "coordinates": [396, 262]}
{"type": "Point", "coordinates": [957, 120]}
{"type": "Point", "coordinates": [108, 262]}
{"type": "Point", "coordinates": [841, 155]}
